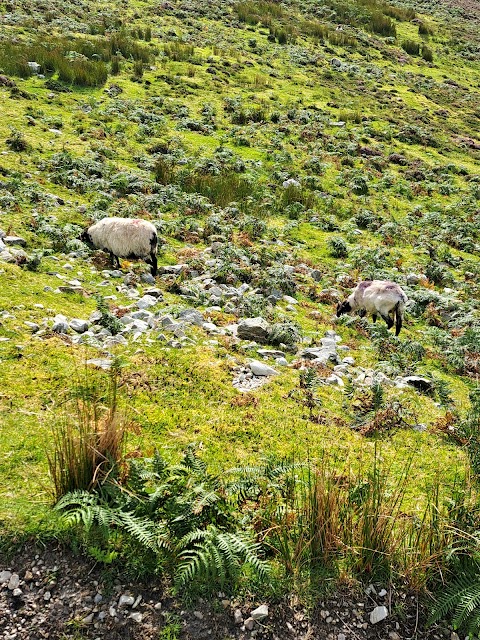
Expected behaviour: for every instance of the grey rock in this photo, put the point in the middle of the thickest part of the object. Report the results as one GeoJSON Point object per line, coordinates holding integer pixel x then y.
{"type": "Point", "coordinates": [5, 576]}
{"type": "Point", "coordinates": [17, 592]}
{"type": "Point", "coordinates": [174, 269]}
{"type": "Point", "coordinates": [136, 616]}
{"type": "Point", "coordinates": [191, 316]}
{"type": "Point", "coordinates": [111, 341]}
{"type": "Point", "coordinates": [33, 326]}
{"type": "Point", "coordinates": [378, 614]}
{"type": "Point", "coordinates": [209, 327]}
{"type": "Point", "coordinates": [125, 601]}
{"type": "Point", "coordinates": [260, 612]}
{"type": "Point", "coordinates": [262, 369]}
{"type": "Point", "coordinates": [142, 314]}
{"type": "Point", "coordinates": [270, 353]}
{"type": "Point", "coordinates": [348, 360]}
{"type": "Point", "coordinates": [237, 617]}
{"type": "Point", "coordinates": [80, 326]}
{"type": "Point", "coordinates": [98, 598]}
{"type": "Point", "coordinates": [60, 325]}
{"type": "Point", "coordinates": [155, 292]}
{"type": "Point", "coordinates": [335, 381]}
{"type": "Point", "coordinates": [6, 256]}
{"type": "Point", "coordinates": [15, 241]}
{"type": "Point", "coordinates": [167, 321]}
{"type": "Point", "coordinates": [316, 275]}
{"type": "Point", "coordinates": [138, 325]}
{"type": "Point", "coordinates": [146, 302]}
{"type": "Point", "coordinates": [415, 278]}
{"type": "Point", "coordinates": [320, 355]}
{"type": "Point", "coordinates": [281, 362]}
{"type": "Point", "coordinates": [291, 182]}
{"type": "Point", "coordinates": [14, 581]}
{"type": "Point", "coordinates": [256, 329]}
{"type": "Point", "coordinates": [249, 624]}
{"type": "Point", "coordinates": [147, 278]}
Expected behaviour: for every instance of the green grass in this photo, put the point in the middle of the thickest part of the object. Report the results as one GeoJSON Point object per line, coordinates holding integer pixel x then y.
{"type": "Point", "coordinates": [185, 396]}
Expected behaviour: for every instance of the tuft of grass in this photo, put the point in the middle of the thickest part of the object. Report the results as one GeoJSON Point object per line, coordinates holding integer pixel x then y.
{"type": "Point", "coordinates": [88, 435]}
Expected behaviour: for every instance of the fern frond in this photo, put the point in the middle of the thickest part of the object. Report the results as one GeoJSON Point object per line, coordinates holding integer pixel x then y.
{"type": "Point", "coordinates": [141, 529]}
{"type": "Point", "coordinates": [462, 597]}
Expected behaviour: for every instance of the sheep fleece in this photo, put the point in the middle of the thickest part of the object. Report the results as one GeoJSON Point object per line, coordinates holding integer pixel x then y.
{"type": "Point", "coordinates": [123, 237]}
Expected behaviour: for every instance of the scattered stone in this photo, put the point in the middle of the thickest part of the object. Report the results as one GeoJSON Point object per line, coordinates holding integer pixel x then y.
{"type": "Point", "coordinates": [14, 581]}
{"type": "Point", "coordinates": [378, 614]}
{"type": "Point", "coordinates": [33, 326]}
{"type": "Point", "coordinates": [136, 616]}
{"type": "Point", "coordinates": [270, 353]}
{"type": "Point", "coordinates": [17, 592]}
{"type": "Point", "coordinates": [125, 601]}
{"type": "Point", "coordinates": [15, 241]}
{"type": "Point", "coordinates": [237, 617]}
{"type": "Point", "coordinates": [146, 301]}
{"type": "Point", "coordinates": [5, 576]}
{"type": "Point", "coordinates": [260, 612]}
{"type": "Point", "coordinates": [198, 615]}
{"type": "Point", "coordinates": [191, 316]}
{"type": "Point", "coordinates": [261, 369]}
{"type": "Point", "coordinates": [249, 624]}
{"type": "Point", "coordinates": [80, 326]}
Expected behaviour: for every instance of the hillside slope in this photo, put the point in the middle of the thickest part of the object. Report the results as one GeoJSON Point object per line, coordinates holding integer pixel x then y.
{"type": "Point", "coordinates": [285, 152]}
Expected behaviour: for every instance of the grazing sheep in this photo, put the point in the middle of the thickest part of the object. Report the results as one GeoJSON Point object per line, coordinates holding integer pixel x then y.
{"type": "Point", "coordinates": [380, 297]}
{"type": "Point", "coordinates": [124, 238]}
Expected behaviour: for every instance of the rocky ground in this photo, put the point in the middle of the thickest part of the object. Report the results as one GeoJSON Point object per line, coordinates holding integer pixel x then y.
{"type": "Point", "coordinates": [51, 593]}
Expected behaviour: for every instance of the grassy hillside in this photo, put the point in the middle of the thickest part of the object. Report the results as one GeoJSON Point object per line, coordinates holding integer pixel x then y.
{"type": "Point", "coordinates": [295, 147]}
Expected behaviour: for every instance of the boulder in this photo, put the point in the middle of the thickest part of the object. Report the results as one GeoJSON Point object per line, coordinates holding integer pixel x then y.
{"type": "Point", "coordinates": [256, 329]}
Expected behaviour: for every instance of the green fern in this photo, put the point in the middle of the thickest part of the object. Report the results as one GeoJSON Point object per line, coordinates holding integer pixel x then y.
{"type": "Point", "coordinates": [462, 600]}
{"type": "Point", "coordinates": [216, 558]}
{"type": "Point", "coordinates": [87, 509]}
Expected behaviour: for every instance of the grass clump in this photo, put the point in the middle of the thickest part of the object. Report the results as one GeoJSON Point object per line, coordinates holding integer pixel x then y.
{"type": "Point", "coordinates": [89, 437]}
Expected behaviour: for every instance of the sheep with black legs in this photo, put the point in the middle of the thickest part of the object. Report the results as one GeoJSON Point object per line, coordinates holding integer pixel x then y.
{"type": "Point", "coordinates": [124, 238]}
{"type": "Point", "coordinates": [377, 297]}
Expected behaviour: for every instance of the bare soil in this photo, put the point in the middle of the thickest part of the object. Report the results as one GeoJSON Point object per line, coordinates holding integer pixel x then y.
{"type": "Point", "coordinates": [64, 596]}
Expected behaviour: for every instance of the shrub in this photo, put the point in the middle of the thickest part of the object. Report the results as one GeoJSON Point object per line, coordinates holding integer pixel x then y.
{"type": "Point", "coordinates": [411, 47]}
{"type": "Point", "coordinates": [17, 141]}
{"type": "Point", "coordinates": [338, 247]}
{"type": "Point", "coordinates": [427, 53]}
{"type": "Point", "coordinates": [424, 29]}
{"type": "Point", "coordinates": [382, 25]}
{"type": "Point", "coordinates": [287, 333]}
{"type": "Point", "coordinates": [107, 319]}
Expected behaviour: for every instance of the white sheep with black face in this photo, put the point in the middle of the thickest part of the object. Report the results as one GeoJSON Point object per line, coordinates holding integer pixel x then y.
{"type": "Point", "coordinates": [124, 238]}
{"type": "Point", "coordinates": [377, 297]}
